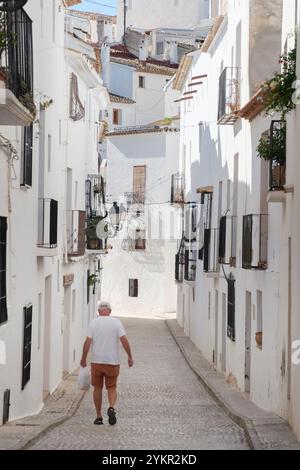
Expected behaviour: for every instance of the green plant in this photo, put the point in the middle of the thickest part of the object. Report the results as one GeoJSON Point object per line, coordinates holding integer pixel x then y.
{"type": "Point", "coordinates": [92, 227]}
{"type": "Point", "coordinates": [279, 90]}
{"type": "Point", "coordinates": [47, 103]}
{"type": "Point", "coordinates": [26, 98]}
{"type": "Point", "coordinates": [273, 147]}
{"type": "Point", "coordinates": [92, 280]}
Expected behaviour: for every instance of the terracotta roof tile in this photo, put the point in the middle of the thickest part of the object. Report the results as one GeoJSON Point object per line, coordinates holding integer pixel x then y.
{"type": "Point", "coordinates": [120, 99]}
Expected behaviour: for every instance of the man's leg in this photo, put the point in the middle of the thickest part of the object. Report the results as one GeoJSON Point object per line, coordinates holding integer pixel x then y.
{"type": "Point", "coordinates": [98, 401]}
{"type": "Point", "coordinates": [112, 396]}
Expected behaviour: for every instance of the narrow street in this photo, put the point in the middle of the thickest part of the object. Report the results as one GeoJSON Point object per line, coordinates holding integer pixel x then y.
{"type": "Point", "coordinates": [161, 405]}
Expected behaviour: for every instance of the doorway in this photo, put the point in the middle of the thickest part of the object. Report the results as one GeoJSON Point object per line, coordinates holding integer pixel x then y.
{"type": "Point", "coordinates": [248, 342]}
{"type": "Point", "coordinates": [66, 329]}
{"type": "Point", "coordinates": [224, 332]}
{"type": "Point", "coordinates": [47, 333]}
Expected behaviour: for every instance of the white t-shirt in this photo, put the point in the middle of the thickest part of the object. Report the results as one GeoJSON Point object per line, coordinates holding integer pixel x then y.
{"type": "Point", "coordinates": [106, 333]}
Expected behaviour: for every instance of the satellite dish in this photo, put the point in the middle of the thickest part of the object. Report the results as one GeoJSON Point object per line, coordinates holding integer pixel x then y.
{"type": "Point", "coordinates": [11, 5]}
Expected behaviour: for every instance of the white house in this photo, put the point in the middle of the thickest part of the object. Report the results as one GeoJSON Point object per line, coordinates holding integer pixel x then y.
{"type": "Point", "coordinates": [50, 106]}
{"type": "Point", "coordinates": [229, 264]}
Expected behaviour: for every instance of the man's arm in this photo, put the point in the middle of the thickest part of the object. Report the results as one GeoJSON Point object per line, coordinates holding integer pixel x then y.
{"type": "Point", "coordinates": [126, 346]}
{"type": "Point", "coordinates": [86, 348]}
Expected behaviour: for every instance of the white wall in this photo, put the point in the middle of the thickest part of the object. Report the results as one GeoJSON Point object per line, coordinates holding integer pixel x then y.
{"type": "Point", "coordinates": [154, 266]}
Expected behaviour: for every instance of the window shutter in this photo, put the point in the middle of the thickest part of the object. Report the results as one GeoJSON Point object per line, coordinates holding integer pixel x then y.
{"type": "Point", "coordinates": [27, 156]}
{"type": "Point", "coordinates": [3, 246]}
{"type": "Point", "coordinates": [206, 250]}
{"type": "Point", "coordinates": [231, 310]}
{"type": "Point", "coordinates": [6, 405]}
{"type": "Point", "coordinates": [222, 239]}
{"type": "Point", "coordinates": [247, 241]}
{"type": "Point", "coordinates": [27, 345]}
{"type": "Point", "coordinates": [139, 183]}
{"type": "Point", "coordinates": [133, 287]}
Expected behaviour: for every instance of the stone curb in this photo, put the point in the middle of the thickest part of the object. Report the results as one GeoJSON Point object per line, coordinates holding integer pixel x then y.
{"type": "Point", "coordinates": [27, 442]}
{"type": "Point", "coordinates": [246, 424]}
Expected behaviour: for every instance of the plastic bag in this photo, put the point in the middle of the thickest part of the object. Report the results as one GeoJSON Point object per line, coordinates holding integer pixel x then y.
{"type": "Point", "coordinates": [84, 378]}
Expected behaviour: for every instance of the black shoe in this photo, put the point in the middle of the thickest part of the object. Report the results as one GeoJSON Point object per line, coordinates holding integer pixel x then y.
{"type": "Point", "coordinates": [98, 421]}
{"type": "Point", "coordinates": [111, 416]}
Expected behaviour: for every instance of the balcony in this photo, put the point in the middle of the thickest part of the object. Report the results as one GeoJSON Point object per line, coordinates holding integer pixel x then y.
{"type": "Point", "coordinates": [177, 189]}
{"type": "Point", "coordinates": [76, 233]}
{"type": "Point", "coordinates": [17, 106]}
{"type": "Point", "coordinates": [229, 96]}
{"type": "Point", "coordinates": [93, 231]}
{"type": "Point", "coordinates": [95, 196]}
{"type": "Point", "coordinates": [255, 241]}
{"type": "Point", "coordinates": [135, 202]}
{"type": "Point", "coordinates": [211, 251]}
{"type": "Point", "coordinates": [47, 227]}
{"type": "Point", "coordinates": [276, 147]}
{"type": "Point", "coordinates": [190, 265]}
{"type": "Point", "coordinates": [228, 240]}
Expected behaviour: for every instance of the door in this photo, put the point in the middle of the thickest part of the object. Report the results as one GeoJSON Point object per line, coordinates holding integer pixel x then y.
{"type": "Point", "coordinates": [66, 330]}
{"type": "Point", "coordinates": [248, 342]}
{"type": "Point", "coordinates": [216, 350]}
{"type": "Point", "coordinates": [224, 332]}
{"type": "Point", "coordinates": [47, 332]}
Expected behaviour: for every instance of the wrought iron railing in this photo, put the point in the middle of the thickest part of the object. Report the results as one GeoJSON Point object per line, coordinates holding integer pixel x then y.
{"type": "Point", "coordinates": [177, 189]}
{"type": "Point", "coordinates": [94, 196]}
{"type": "Point", "coordinates": [16, 54]}
{"type": "Point", "coordinates": [229, 95]}
{"type": "Point", "coordinates": [255, 241]}
{"type": "Point", "coordinates": [180, 262]}
{"type": "Point", "coordinates": [227, 240]}
{"type": "Point", "coordinates": [277, 169]}
{"type": "Point", "coordinates": [190, 266]}
{"type": "Point", "coordinates": [48, 218]}
{"type": "Point", "coordinates": [76, 233]}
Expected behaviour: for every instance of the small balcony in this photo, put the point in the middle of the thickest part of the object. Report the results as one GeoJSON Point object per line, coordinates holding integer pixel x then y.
{"type": "Point", "coordinates": [76, 233]}
{"type": "Point", "coordinates": [93, 232]}
{"type": "Point", "coordinates": [47, 227]}
{"type": "Point", "coordinates": [228, 240]}
{"type": "Point", "coordinates": [255, 241]}
{"type": "Point", "coordinates": [211, 251]}
{"type": "Point", "coordinates": [177, 189]}
{"type": "Point", "coordinates": [135, 202]}
{"type": "Point", "coordinates": [17, 106]}
{"type": "Point", "coordinates": [190, 265]}
{"type": "Point", "coordinates": [95, 196]}
{"type": "Point", "coordinates": [229, 96]}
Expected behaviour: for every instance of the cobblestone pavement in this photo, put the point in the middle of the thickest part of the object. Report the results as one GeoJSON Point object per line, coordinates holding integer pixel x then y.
{"type": "Point", "coordinates": [161, 404]}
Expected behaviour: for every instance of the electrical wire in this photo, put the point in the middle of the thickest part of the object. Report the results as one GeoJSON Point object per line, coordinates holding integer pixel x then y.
{"type": "Point", "coordinates": [101, 4]}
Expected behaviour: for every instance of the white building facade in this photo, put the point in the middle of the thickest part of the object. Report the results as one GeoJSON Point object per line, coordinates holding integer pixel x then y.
{"type": "Point", "coordinates": [230, 264]}
{"type": "Point", "coordinates": [49, 147]}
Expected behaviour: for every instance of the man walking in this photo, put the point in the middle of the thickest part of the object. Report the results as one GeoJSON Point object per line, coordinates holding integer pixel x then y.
{"type": "Point", "coordinates": [104, 334]}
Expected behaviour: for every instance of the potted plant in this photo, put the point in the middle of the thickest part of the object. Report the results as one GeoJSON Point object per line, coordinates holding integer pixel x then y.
{"type": "Point", "coordinates": [92, 280]}
{"type": "Point", "coordinates": [258, 339]}
{"type": "Point", "coordinates": [92, 238]}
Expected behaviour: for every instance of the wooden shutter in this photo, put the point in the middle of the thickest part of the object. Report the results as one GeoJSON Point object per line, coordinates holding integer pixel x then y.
{"type": "Point", "coordinates": [27, 345]}
{"type": "Point", "coordinates": [139, 183]}
{"type": "Point", "coordinates": [231, 310]}
{"type": "Point", "coordinates": [3, 245]}
{"type": "Point", "coordinates": [27, 156]}
{"type": "Point", "coordinates": [115, 116]}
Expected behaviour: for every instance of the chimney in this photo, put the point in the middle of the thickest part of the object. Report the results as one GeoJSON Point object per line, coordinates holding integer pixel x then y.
{"type": "Point", "coordinates": [173, 52]}
{"type": "Point", "coordinates": [143, 51]}
{"type": "Point", "coordinates": [105, 60]}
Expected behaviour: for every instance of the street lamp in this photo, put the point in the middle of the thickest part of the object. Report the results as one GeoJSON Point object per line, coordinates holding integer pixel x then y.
{"type": "Point", "coordinates": [117, 215]}
{"type": "Point", "coordinates": [12, 5]}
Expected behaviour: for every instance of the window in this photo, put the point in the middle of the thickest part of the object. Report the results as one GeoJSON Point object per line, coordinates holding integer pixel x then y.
{"type": "Point", "coordinates": [139, 183]}
{"type": "Point", "coordinates": [3, 241]}
{"type": "Point", "coordinates": [27, 345]}
{"type": "Point", "coordinates": [140, 240]}
{"type": "Point", "coordinates": [141, 82]}
{"type": "Point", "coordinates": [231, 310]}
{"type": "Point", "coordinates": [205, 220]}
{"type": "Point", "coordinates": [159, 48]}
{"type": "Point", "coordinates": [133, 288]}
{"type": "Point", "coordinates": [26, 178]}
{"type": "Point", "coordinates": [117, 116]}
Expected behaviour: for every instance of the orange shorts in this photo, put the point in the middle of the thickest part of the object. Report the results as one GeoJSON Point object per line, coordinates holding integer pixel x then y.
{"type": "Point", "coordinates": [107, 371]}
